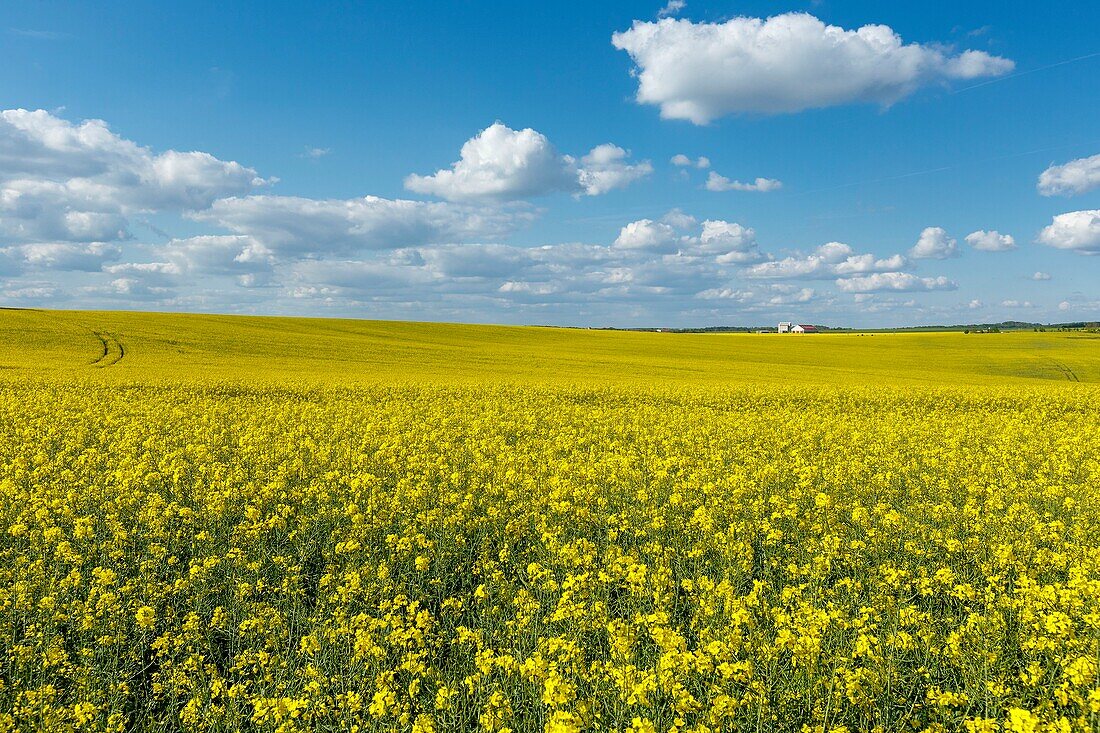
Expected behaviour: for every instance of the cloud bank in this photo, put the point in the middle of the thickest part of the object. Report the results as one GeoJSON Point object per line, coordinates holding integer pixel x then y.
{"type": "Point", "coordinates": [65, 182]}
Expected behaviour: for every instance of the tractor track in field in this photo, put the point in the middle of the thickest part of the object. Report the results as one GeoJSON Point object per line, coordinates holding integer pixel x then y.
{"type": "Point", "coordinates": [1066, 371]}
{"type": "Point", "coordinates": [113, 350]}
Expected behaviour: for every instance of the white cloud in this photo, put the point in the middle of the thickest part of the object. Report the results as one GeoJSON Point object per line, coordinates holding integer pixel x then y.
{"type": "Point", "coordinates": [132, 287]}
{"type": "Point", "coordinates": [538, 289]}
{"type": "Point", "coordinates": [974, 304]}
{"type": "Point", "coordinates": [787, 63]}
{"type": "Point", "coordinates": [834, 252]}
{"type": "Point", "coordinates": [856, 264]}
{"type": "Point", "coordinates": [183, 261]}
{"type": "Point", "coordinates": [730, 241]}
{"type": "Point", "coordinates": [648, 235]}
{"type": "Point", "coordinates": [381, 277]}
{"type": "Point", "coordinates": [605, 168]}
{"type": "Point", "coordinates": [679, 219]}
{"type": "Point", "coordinates": [1076, 230]}
{"type": "Point", "coordinates": [828, 261]}
{"type": "Point", "coordinates": [1016, 304]}
{"type": "Point", "coordinates": [478, 261]}
{"type": "Point", "coordinates": [167, 271]}
{"type": "Point", "coordinates": [772, 294]}
{"type": "Point", "coordinates": [716, 182]}
{"type": "Point", "coordinates": [992, 241]}
{"type": "Point", "coordinates": [215, 255]}
{"type": "Point", "coordinates": [934, 244]}
{"type": "Point", "coordinates": [894, 281]}
{"type": "Point", "coordinates": [88, 257]}
{"type": "Point", "coordinates": [65, 182]}
{"type": "Point", "coordinates": [672, 7]}
{"type": "Point", "coordinates": [1081, 304]}
{"type": "Point", "coordinates": [682, 161]}
{"type": "Point", "coordinates": [502, 164]}
{"type": "Point", "coordinates": [290, 225]}
{"type": "Point", "coordinates": [652, 265]}
{"type": "Point", "coordinates": [724, 242]}
{"type": "Point", "coordinates": [39, 292]}
{"type": "Point", "coordinates": [1076, 176]}
{"type": "Point", "coordinates": [1040, 276]}
{"type": "Point", "coordinates": [316, 153]}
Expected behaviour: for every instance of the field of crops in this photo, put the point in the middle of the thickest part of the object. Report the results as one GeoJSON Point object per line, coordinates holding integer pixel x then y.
{"type": "Point", "coordinates": [215, 524]}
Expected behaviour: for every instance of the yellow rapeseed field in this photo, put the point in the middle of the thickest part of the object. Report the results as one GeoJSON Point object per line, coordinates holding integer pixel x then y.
{"type": "Point", "coordinates": [222, 524]}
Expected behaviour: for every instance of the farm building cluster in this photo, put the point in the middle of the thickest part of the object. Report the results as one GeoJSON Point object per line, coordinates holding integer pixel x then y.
{"type": "Point", "coordinates": [789, 327]}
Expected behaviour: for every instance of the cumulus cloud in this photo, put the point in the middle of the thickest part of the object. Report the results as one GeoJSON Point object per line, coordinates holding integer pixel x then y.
{"type": "Point", "coordinates": [727, 243]}
{"type": "Point", "coordinates": [502, 164]}
{"type": "Point", "coordinates": [315, 277]}
{"type": "Point", "coordinates": [716, 182]}
{"type": "Point", "coordinates": [828, 261]}
{"type": "Point", "coordinates": [992, 241]}
{"type": "Point", "coordinates": [1076, 230]}
{"type": "Point", "coordinates": [66, 182]}
{"type": "Point", "coordinates": [39, 292]}
{"type": "Point", "coordinates": [291, 225]}
{"type": "Point", "coordinates": [88, 257]}
{"type": "Point", "coordinates": [682, 161]}
{"type": "Point", "coordinates": [240, 255]}
{"type": "Point", "coordinates": [652, 264]}
{"type": "Point", "coordinates": [606, 168]}
{"type": "Point", "coordinates": [648, 235]}
{"type": "Point", "coordinates": [679, 219]}
{"type": "Point", "coordinates": [731, 242]}
{"type": "Point", "coordinates": [1080, 303]}
{"type": "Point", "coordinates": [181, 261]}
{"type": "Point", "coordinates": [1040, 276]}
{"type": "Point", "coordinates": [786, 63]}
{"type": "Point", "coordinates": [481, 261]}
{"type": "Point", "coordinates": [772, 294]}
{"type": "Point", "coordinates": [934, 244]}
{"type": "Point", "coordinates": [163, 273]}
{"type": "Point", "coordinates": [894, 281]}
{"type": "Point", "coordinates": [1076, 176]}
{"type": "Point", "coordinates": [132, 288]}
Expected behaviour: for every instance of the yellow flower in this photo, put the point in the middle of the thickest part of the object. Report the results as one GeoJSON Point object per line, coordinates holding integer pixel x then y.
{"type": "Point", "coordinates": [1022, 721]}
{"type": "Point", "coordinates": [146, 617]}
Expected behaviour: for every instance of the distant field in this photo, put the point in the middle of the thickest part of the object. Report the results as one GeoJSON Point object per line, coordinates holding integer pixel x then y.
{"type": "Point", "coordinates": [216, 523]}
{"type": "Point", "coordinates": [200, 347]}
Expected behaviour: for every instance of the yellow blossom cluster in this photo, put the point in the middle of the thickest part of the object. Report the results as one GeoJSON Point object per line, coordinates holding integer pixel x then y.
{"type": "Point", "coordinates": [287, 558]}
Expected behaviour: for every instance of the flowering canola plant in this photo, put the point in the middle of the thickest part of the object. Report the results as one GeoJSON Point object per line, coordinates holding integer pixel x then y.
{"type": "Point", "coordinates": [211, 556]}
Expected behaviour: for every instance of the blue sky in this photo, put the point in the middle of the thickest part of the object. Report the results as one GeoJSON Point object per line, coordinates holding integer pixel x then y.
{"type": "Point", "coordinates": [279, 158]}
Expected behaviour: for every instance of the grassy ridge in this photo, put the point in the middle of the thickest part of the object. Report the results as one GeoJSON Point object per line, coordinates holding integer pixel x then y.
{"type": "Point", "coordinates": [167, 347]}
